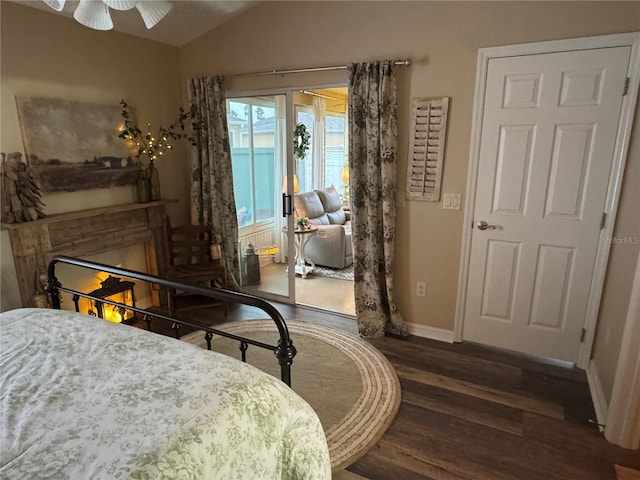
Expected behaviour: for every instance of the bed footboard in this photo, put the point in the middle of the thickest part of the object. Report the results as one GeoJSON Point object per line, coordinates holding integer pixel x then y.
{"type": "Point", "coordinates": [284, 350]}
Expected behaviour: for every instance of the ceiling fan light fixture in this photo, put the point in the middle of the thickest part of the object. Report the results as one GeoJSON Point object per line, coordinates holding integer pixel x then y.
{"type": "Point", "coordinates": [153, 11]}
{"type": "Point", "coordinates": [57, 5]}
{"type": "Point", "coordinates": [93, 15]}
{"type": "Point", "coordinates": [121, 4]}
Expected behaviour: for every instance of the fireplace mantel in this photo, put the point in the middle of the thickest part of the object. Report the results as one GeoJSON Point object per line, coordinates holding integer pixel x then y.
{"type": "Point", "coordinates": [85, 233]}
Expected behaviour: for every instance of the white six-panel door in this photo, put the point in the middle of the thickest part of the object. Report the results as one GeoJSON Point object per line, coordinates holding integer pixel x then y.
{"type": "Point", "coordinates": [548, 137]}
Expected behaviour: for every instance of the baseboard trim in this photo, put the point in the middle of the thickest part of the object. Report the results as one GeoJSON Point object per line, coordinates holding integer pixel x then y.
{"type": "Point", "coordinates": [430, 332]}
{"type": "Point", "coordinates": [597, 395]}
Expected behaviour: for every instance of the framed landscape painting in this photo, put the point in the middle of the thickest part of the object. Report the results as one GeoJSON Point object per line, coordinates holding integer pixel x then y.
{"type": "Point", "coordinates": [74, 145]}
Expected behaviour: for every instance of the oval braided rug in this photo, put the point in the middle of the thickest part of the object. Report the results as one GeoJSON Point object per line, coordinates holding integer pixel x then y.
{"type": "Point", "coordinates": [352, 387]}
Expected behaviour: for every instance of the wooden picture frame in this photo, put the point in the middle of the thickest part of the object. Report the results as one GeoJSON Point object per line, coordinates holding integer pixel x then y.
{"type": "Point", "coordinates": [74, 145]}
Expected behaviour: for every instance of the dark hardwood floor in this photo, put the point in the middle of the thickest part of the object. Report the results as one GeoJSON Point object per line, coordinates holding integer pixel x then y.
{"type": "Point", "coordinates": [471, 412]}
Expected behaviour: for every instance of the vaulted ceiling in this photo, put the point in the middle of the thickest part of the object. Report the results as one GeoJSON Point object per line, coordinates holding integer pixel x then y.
{"type": "Point", "coordinates": [186, 21]}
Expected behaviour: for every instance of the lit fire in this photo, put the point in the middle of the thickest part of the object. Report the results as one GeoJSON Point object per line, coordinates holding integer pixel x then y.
{"type": "Point", "coordinates": [111, 313]}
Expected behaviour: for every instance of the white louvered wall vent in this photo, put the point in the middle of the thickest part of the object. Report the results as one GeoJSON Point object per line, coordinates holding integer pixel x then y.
{"type": "Point", "coordinates": [426, 149]}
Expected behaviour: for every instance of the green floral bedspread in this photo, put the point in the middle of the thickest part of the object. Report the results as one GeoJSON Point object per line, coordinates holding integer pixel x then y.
{"type": "Point", "coordinates": [82, 398]}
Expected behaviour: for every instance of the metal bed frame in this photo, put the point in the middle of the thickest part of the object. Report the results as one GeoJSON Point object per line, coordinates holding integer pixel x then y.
{"type": "Point", "coordinates": [284, 351]}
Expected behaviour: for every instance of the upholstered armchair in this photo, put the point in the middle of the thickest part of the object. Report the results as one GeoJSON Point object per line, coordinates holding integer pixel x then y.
{"type": "Point", "coordinates": [331, 246]}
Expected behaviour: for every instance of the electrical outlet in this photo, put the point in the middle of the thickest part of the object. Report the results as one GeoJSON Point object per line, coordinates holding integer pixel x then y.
{"type": "Point", "coordinates": [421, 289]}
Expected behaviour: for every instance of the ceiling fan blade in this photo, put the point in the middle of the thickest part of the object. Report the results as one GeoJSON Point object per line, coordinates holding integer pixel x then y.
{"type": "Point", "coordinates": [93, 15]}
{"type": "Point", "coordinates": [57, 5]}
{"type": "Point", "coordinates": [121, 4]}
{"type": "Point", "coordinates": [153, 11]}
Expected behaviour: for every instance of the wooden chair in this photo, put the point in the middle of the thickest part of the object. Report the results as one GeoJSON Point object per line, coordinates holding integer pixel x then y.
{"type": "Point", "coordinates": [191, 263]}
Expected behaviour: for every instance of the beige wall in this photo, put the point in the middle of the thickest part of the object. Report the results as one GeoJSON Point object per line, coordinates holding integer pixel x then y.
{"type": "Point", "coordinates": [442, 39]}
{"type": "Point", "coordinates": [45, 54]}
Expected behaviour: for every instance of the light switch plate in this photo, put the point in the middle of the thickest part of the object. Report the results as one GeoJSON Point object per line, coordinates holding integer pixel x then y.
{"type": "Point", "coordinates": [452, 201]}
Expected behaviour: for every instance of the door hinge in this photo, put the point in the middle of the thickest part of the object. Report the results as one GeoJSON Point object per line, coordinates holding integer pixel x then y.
{"type": "Point", "coordinates": [583, 335]}
{"type": "Point", "coordinates": [626, 86]}
{"type": "Point", "coordinates": [603, 220]}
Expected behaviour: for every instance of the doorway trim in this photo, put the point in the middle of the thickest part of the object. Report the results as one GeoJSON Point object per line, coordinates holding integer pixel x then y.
{"type": "Point", "coordinates": [622, 422]}
{"type": "Point", "coordinates": [615, 180]}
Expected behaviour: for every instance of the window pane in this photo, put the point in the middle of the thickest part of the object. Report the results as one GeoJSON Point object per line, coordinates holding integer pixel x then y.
{"type": "Point", "coordinates": [237, 122]}
{"type": "Point", "coordinates": [304, 167]}
{"type": "Point", "coordinates": [264, 182]}
{"type": "Point", "coordinates": [335, 150]}
{"type": "Point", "coordinates": [251, 125]}
{"type": "Point", "coordinates": [264, 142]}
{"type": "Point", "coordinates": [241, 164]}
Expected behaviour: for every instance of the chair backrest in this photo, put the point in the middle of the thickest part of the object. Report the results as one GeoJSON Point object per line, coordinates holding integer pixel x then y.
{"type": "Point", "coordinates": [190, 245]}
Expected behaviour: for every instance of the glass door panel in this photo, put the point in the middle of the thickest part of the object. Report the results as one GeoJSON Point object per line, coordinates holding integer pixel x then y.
{"type": "Point", "coordinates": [304, 166]}
{"type": "Point", "coordinates": [258, 140]}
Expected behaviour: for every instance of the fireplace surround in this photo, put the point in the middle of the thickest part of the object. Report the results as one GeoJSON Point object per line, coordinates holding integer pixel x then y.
{"type": "Point", "coordinates": [85, 233]}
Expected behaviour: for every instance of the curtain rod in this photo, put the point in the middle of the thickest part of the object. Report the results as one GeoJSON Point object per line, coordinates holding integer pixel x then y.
{"type": "Point", "coordinates": [321, 95]}
{"type": "Point", "coordinates": [405, 63]}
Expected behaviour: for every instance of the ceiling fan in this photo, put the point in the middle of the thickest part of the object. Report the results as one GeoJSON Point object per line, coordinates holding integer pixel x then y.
{"type": "Point", "coordinates": [95, 13]}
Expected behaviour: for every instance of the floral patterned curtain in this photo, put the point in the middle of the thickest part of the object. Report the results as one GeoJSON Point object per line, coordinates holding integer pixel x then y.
{"type": "Point", "coordinates": [212, 199]}
{"type": "Point", "coordinates": [372, 163]}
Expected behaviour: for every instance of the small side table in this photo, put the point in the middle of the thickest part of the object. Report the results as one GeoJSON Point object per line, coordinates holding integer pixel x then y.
{"type": "Point", "coordinates": [302, 236]}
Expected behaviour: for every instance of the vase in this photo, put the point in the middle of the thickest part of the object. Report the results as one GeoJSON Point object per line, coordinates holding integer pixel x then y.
{"type": "Point", "coordinates": [143, 187]}
{"type": "Point", "coordinates": [154, 182]}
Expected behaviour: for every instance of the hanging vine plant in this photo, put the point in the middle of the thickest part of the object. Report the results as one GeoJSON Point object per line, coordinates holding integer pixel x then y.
{"type": "Point", "coordinates": [301, 140]}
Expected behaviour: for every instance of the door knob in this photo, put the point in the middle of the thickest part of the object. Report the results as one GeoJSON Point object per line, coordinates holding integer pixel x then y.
{"type": "Point", "coordinates": [482, 225]}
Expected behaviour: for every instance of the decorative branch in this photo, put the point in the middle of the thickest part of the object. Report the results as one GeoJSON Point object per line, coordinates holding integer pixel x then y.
{"type": "Point", "coordinates": [155, 146]}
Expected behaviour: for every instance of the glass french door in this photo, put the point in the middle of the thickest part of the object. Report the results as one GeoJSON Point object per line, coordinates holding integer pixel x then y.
{"type": "Point", "coordinates": [260, 132]}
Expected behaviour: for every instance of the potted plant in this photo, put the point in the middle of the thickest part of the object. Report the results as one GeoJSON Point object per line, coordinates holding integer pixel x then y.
{"type": "Point", "coordinates": [301, 223]}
